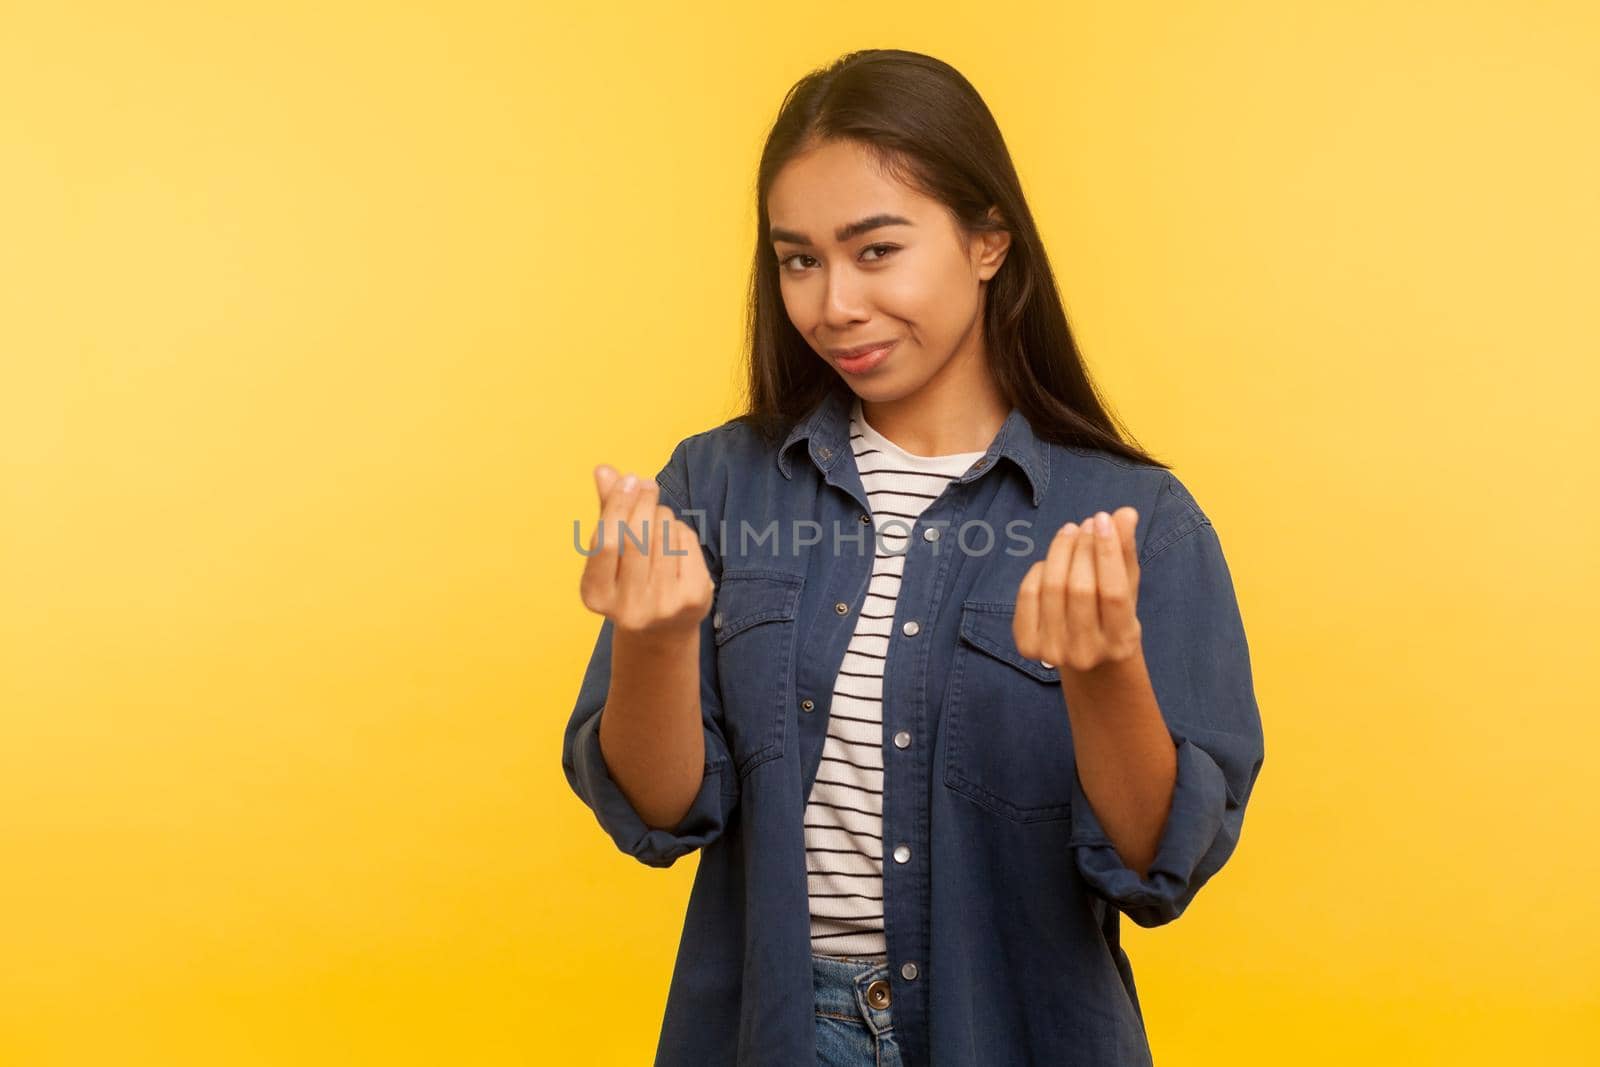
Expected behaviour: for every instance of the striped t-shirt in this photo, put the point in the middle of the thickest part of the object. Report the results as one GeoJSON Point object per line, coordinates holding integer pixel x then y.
{"type": "Point", "coordinates": [844, 813]}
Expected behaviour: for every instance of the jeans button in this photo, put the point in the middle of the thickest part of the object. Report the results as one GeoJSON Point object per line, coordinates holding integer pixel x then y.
{"type": "Point", "coordinates": [878, 994]}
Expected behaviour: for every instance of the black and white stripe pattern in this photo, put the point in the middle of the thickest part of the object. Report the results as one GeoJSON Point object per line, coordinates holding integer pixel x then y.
{"type": "Point", "coordinates": [844, 814]}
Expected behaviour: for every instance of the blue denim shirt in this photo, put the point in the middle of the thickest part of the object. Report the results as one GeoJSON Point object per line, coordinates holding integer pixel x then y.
{"type": "Point", "coordinates": [1003, 925]}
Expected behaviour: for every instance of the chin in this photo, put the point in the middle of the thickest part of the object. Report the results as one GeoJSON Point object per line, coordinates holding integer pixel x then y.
{"type": "Point", "coordinates": [877, 392]}
{"type": "Point", "coordinates": [883, 391]}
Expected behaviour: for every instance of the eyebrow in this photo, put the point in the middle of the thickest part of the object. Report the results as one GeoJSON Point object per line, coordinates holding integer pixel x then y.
{"type": "Point", "coordinates": [843, 233]}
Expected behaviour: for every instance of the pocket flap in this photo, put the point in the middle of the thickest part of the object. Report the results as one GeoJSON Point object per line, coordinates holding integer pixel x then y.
{"type": "Point", "coordinates": [747, 597]}
{"type": "Point", "coordinates": [987, 627]}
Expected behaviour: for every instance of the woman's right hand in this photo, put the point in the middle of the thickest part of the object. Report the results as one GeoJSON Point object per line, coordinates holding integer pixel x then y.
{"type": "Point", "coordinates": [648, 594]}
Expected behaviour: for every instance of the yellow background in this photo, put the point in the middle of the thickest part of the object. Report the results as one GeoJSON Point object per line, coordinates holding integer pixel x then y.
{"type": "Point", "coordinates": [314, 319]}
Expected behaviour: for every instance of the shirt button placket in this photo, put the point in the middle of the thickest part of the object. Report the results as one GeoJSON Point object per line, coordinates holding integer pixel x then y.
{"type": "Point", "coordinates": [902, 739]}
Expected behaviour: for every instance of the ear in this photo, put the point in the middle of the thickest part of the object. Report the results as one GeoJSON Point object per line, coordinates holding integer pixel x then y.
{"type": "Point", "coordinates": [992, 246]}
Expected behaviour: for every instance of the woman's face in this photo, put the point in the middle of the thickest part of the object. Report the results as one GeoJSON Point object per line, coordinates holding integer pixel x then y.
{"type": "Point", "coordinates": [906, 276]}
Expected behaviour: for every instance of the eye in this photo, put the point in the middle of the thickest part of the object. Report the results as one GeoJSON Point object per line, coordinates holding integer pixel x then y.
{"type": "Point", "coordinates": [885, 249]}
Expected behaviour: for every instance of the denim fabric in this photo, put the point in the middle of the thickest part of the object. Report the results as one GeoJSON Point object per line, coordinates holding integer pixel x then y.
{"type": "Point", "coordinates": [852, 1031]}
{"type": "Point", "coordinates": [1002, 920]}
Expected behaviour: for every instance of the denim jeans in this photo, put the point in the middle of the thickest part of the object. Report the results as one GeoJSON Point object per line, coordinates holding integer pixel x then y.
{"type": "Point", "coordinates": [854, 1028]}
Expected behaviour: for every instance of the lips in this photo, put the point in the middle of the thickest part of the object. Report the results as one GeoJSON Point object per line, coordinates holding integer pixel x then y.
{"type": "Point", "coordinates": [860, 350]}
{"type": "Point", "coordinates": [866, 360]}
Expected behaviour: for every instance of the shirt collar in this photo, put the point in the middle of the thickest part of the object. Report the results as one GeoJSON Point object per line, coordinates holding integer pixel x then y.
{"type": "Point", "coordinates": [827, 429]}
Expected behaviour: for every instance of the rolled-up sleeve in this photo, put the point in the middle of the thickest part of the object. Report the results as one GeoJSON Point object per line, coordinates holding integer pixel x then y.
{"type": "Point", "coordinates": [585, 765]}
{"type": "Point", "coordinates": [1199, 663]}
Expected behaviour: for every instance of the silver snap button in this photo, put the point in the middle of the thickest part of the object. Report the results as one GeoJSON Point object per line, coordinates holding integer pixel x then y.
{"type": "Point", "coordinates": [824, 452]}
{"type": "Point", "coordinates": [902, 853]}
{"type": "Point", "coordinates": [807, 704]}
{"type": "Point", "coordinates": [902, 739]}
{"type": "Point", "coordinates": [911, 628]}
{"type": "Point", "coordinates": [1047, 665]}
{"type": "Point", "coordinates": [908, 970]}
{"type": "Point", "coordinates": [930, 534]}
{"type": "Point", "coordinates": [842, 608]}
{"type": "Point", "coordinates": [866, 520]}
{"type": "Point", "coordinates": [716, 621]}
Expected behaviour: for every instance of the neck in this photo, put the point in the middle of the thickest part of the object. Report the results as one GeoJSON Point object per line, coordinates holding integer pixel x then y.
{"type": "Point", "coordinates": [959, 409]}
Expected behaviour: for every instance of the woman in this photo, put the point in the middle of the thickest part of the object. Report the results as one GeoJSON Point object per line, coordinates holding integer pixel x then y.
{"type": "Point", "coordinates": [957, 677]}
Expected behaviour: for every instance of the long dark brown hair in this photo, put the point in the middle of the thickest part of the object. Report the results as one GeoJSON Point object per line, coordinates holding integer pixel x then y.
{"type": "Point", "coordinates": [925, 124]}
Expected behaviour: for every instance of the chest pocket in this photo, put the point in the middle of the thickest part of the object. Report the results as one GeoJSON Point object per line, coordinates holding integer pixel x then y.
{"type": "Point", "coordinates": [753, 623]}
{"type": "Point", "coordinates": [1009, 743]}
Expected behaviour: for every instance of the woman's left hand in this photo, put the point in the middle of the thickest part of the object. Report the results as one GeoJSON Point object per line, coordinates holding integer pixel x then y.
{"type": "Point", "coordinates": [1076, 608]}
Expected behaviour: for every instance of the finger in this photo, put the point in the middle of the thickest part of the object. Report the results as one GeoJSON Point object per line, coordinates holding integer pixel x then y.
{"type": "Point", "coordinates": [1025, 623]}
{"type": "Point", "coordinates": [656, 544]}
{"type": "Point", "coordinates": [1127, 521]}
{"type": "Point", "coordinates": [686, 540]}
{"type": "Point", "coordinates": [1111, 575]}
{"type": "Point", "coordinates": [677, 565]}
{"type": "Point", "coordinates": [601, 569]}
{"type": "Point", "coordinates": [1083, 595]}
{"type": "Point", "coordinates": [694, 564]}
{"type": "Point", "coordinates": [1053, 589]}
{"type": "Point", "coordinates": [633, 568]}
{"type": "Point", "coordinates": [605, 477]}
{"type": "Point", "coordinates": [661, 564]}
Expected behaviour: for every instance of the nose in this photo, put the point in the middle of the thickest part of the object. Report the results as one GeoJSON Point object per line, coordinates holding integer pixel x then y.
{"type": "Point", "coordinates": [842, 301]}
